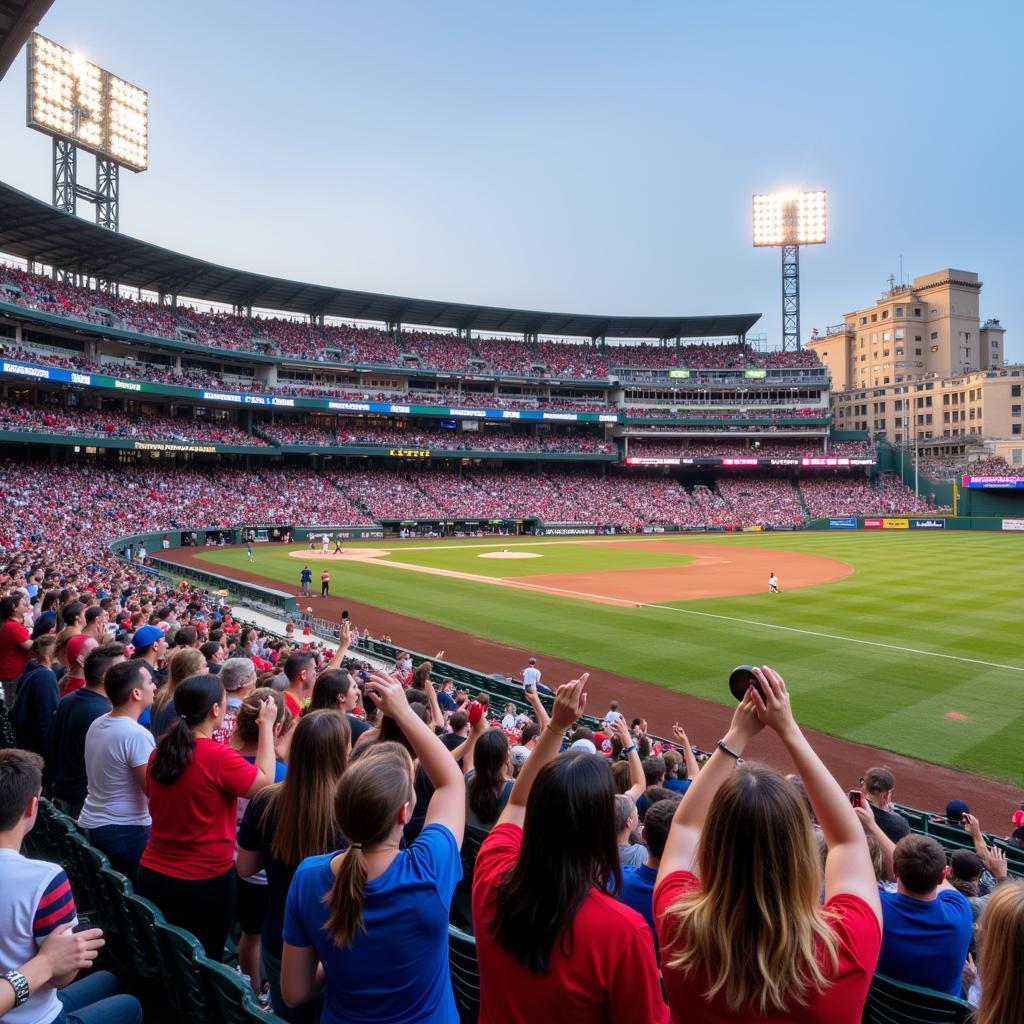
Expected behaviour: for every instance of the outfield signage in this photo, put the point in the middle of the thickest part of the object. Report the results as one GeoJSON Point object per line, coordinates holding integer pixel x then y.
{"type": "Point", "coordinates": [643, 460]}
{"type": "Point", "coordinates": [570, 529]}
{"type": "Point", "coordinates": [1015, 525]}
{"type": "Point", "coordinates": [843, 523]}
{"type": "Point", "coordinates": [1008, 483]}
{"type": "Point", "coordinates": [927, 524]}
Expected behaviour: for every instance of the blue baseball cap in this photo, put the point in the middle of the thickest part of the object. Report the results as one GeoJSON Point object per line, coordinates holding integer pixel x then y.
{"type": "Point", "coordinates": [146, 636]}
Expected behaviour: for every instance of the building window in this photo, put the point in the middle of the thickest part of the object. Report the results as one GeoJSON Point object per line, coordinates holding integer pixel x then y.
{"type": "Point", "coordinates": [935, 335]}
{"type": "Point", "coordinates": [874, 318]}
{"type": "Point", "coordinates": [1015, 391]}
{"type": "Point", "coordinates": [917, 311]}
{"type": "Point", "coordinates": [863, 319]}
{"type": "Point", "coordinates": [899, 311]}
{"type": "Point", "coordinates": [899, 333]}
{"type": "Point", "coordinates": [1014, 410]}
{"type": "Point", "coordinates": [885, 314]}
{"type": "Point", "coordinates": [1015, 428]}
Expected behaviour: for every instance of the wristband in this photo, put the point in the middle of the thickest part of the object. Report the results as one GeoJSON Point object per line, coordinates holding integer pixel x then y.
{"type": "Point", "coordinates": [19, 983]}
{"type": "Point", "coordinates": [554, 728]}
{"type": "Point", "coordinates": [629, 749]}
{"type": "Point", "coordinates": [723, 746]}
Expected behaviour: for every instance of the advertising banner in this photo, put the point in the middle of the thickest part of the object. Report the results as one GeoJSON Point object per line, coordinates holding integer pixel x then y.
{"type": "Point", "coordinates": [895, 524]}
{"type": "Point", "coordinates": [872, 524]}
{"type": "Point", "coordinates": [1016, 525]}
{"type": "Point", "coordinates": [995, 483]}
{"type": "Point", "coordinates": [843, 523]}
{"type": "Point", "coordinates": [927, 524]}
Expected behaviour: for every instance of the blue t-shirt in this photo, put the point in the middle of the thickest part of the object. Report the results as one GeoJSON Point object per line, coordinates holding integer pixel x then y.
{"type": "Point", "coordinates": [678, 785]}
{"type": "Point", "coordinates": [396, 972]}
{"type": "Point", "coordinates": [924, 942]}
{"type": "Point", "coordinates": [306, 575]}
{"type": "Point", "coordinates": [638, 892]}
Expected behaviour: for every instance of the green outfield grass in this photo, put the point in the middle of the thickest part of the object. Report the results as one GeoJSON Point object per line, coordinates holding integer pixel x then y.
{"type": "Point", "coordinates": [929, 624]}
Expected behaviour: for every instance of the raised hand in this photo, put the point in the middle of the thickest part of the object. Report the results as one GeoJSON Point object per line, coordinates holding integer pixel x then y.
{"type": "Point", "coordinates": [389, 694]}
{"type": "Point", "coordinates": [620, 730]}
{"type": "Point", "coordinates": [972, 826]}
{"type": "Point", "coordinates": [746, 719]}
{"type": "Point", "coordinates": [995, 861]}
{"type": "Point", "coordinates": [773, 709]}
{"type": "Point", "coordinates": [267, 713]}
{"type": "Point", "coordinates": [679, 735]}
{"type": "Point", "coordinates": [570, 700]}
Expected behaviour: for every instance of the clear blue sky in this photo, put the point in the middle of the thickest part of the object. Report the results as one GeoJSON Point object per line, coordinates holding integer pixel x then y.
{"type": "Point", "coordinates": [585, 157]}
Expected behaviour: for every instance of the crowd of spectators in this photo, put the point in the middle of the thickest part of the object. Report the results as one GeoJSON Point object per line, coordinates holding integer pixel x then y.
{"type": "Point", "coordinates": [847, 495]}
{"type": "Point", "coordinates": [51, 419]}
{"type": "Point", "coordinates": [955, 468]}
{"type": "Point", "coordinates": [373, 346]}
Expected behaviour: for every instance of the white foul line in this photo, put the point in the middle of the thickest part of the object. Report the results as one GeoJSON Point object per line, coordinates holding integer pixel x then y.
{"type": "Point", "coordinates": [834, 636]}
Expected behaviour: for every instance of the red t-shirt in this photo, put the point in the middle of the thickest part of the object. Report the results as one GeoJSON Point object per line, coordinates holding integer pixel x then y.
{"type": "Point", "coordinates": [292, 703]}
{"type": "Point", "coordinates": [611, 974]}
{"type": "Point", "coordinates": [13, 658]}
{"type": "Point", "coordinates": [860, 938]}
{"type": "Point", "coordinates": [195, 818]}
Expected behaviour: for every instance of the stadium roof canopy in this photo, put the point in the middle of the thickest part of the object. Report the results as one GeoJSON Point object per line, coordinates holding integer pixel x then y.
{"type": "Point", "coordinates": [37, 231]}
{"type": "Point", "coordinates": [18, 19]}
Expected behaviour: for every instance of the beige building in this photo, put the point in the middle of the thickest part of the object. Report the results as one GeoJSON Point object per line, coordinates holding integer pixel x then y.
{"type": "Point", "coordinates": [919, 365]}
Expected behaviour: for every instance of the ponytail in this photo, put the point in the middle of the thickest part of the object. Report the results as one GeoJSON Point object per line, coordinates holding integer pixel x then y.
{"type": "Point", "coordinates": [370, 796]}
{"type": "Point", "coordinates": [194, 698]}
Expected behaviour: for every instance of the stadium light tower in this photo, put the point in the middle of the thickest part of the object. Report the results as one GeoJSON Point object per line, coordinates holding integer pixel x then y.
{"type": "Point", "coordinates": [82, 106]}
{"type": "Point", "coordinates": [788, 220]}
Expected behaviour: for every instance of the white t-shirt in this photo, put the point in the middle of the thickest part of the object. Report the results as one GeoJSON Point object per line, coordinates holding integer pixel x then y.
{"type": "Point", "coordinates": [24, 885]}
{"type": "Point", "coordinates": [508, 723]}
{"type": "Point", "coordinates": [113, 747]}
{"type": "Point", "coordinates": [531, 676]}
{"type": "Point", "coordinates": [614, 716]}
{"type": "Point", "coordinates": [773, 582]}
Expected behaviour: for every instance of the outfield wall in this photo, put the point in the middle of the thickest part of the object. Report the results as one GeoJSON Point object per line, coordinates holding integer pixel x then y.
{"type": "Point", "coordinates": [1008, 524]}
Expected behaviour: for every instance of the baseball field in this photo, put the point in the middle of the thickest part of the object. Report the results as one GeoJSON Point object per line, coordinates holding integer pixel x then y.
{"type": "Point", "coordinates": [911, 642]}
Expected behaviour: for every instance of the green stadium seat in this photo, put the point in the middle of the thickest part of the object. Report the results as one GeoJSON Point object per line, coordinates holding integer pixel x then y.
{"type": "Point", "coordinates": [465, 974]}
{"type": "Point", "coordinates": [951, 837]}
{"type": "Point", "coordinates": [186, 983]}
{"type": "Point", "coordinates": [462, 904]}
{"type": "Point", "coordinates": [892, 1002]}
{"type": "Point", "coordinates": [149, 951]}
{"type": "Point", "coordinates": [232, 996]}
{"type": "Point", "coordinates": [917, 820]}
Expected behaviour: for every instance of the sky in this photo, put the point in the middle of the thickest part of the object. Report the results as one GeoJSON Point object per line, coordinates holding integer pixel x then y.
{"type": "Point", "coordinates": [577, 157]}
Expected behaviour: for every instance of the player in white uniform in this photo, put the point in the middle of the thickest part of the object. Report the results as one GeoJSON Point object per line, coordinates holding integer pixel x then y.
{"type": "Point", "coordinates": [773, 584]}
{"type": "Point", "coordinates": [325, 542]}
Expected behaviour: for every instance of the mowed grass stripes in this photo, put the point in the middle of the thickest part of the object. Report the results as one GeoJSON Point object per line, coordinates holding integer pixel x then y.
{"type": "Point", "coordinates": [866, 665]}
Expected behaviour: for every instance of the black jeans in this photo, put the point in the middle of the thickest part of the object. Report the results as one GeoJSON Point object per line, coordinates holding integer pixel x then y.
{"type": "Point", "coordinates": [203, 906]}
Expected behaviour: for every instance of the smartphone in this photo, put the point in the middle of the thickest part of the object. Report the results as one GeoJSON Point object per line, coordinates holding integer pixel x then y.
{"type": "Point", "coordinates": [528, 687]}
{"type": "Point", "coordinates": [84, 924]}
{"type": "Point", "coordinates": [855, 797]}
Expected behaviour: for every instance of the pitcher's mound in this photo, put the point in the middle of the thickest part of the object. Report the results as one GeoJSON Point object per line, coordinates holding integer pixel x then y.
{"type": "Point", "coordinates": [510, 554]}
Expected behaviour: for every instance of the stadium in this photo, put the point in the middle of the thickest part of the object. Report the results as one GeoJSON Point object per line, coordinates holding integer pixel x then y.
{"type": "Point", "coordinates": [431, 516]}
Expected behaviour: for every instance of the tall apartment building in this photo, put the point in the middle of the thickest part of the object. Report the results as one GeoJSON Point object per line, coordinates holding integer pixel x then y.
{"type": "Point", "coordinates": [920, 366]}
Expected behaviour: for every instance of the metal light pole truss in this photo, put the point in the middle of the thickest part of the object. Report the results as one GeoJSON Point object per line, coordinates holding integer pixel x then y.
{"type": "Point", "coordinates": [67, 191]}
{"type": "Point", "coordinates": [791, 298]}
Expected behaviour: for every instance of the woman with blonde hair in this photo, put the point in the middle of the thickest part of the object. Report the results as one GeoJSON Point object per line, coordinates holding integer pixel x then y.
{"type": "Point", "coordinates": [737, 899]}
{"type": "Point", "coordinates": [369, 925]}
{"type": "Point", "coordinates": [182, 663]}
{"type": "Point", "coordinates": [1002, 957]}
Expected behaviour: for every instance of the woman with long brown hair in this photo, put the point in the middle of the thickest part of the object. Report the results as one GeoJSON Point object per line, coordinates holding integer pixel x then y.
{"type": "Point", "coordinates": [737, 900]}
{"type": "Point", "coordinates": [369, 926]}
{"type": "Point", "coordinates": [289, 822]}
{"type": "Point", "coordinates": [552, 942]}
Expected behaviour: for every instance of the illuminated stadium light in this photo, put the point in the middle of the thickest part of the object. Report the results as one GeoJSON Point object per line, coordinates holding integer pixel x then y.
{"type": "Point", "coordinates": [787, 220]}
{"type": "Point", "coordinates": [790, 218]}
{"type": "Point", "coordinates": [72, 99]}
